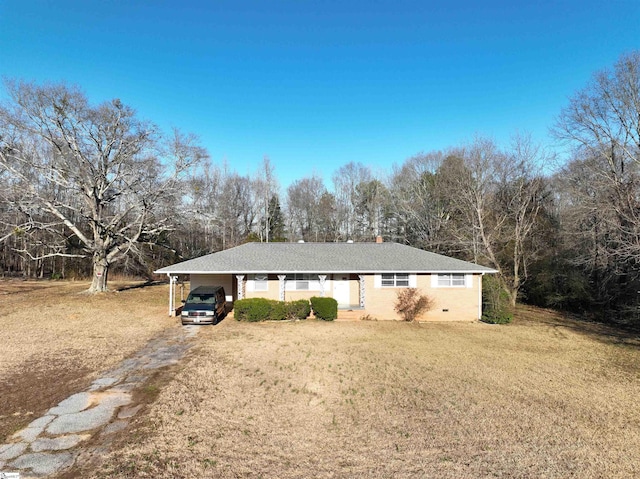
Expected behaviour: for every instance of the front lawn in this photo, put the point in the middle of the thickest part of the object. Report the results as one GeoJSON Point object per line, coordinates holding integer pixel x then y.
{"type": "Point", "coordinates": [537, 398]}
{"type": "Point", "coordinates": [55, 340]}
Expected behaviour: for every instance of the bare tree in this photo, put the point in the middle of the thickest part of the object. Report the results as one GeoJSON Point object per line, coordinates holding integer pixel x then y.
{"type": "Point", "coordinates": [238, 210]}
{"type": "Point", "coordinates": [602, 121]}
{"type": "Point", "coordinates": [468, 175]}
{"type": "Point", "coordinates": [588, 234]}
{"type": "Point", "coordinates": [521, 196]}
{"type": "Point", "coordinates": [372, 209]}
{"type": "Point", "coordinates": [496, 198]}
{"type": "Point", "coordinates": [200, 230]}
{"type": "Point", "coordinates": [303, 198]}
{"type": "Point", "coordinates": [327, 219]}
{"type": "Point", "coordinates": [421, 207]}
{"type": "Point", "coordinates": [345, 181]}
{"type": "Point", "coordinates": [266, 186]}
{"type": "Point", "coordinates": [98, 170]}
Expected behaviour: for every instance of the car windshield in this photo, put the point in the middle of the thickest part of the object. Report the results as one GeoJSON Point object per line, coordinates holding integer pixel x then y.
{"type": "Point", "coordinates": [201, 299]}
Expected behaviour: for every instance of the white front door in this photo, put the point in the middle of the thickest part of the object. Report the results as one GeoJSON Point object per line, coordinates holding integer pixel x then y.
{"type": "Point", "coordinates": [341, 290]}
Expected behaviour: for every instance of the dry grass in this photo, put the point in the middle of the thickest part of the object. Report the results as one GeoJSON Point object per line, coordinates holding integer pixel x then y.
{"type": "Point", "coordinates": [55, 339]}
{"type": "Point", "coordinates": [537, 398]}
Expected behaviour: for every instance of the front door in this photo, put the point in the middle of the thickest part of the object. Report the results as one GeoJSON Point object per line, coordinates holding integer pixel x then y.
{"type": "Point", "coordinates": [341, 290]}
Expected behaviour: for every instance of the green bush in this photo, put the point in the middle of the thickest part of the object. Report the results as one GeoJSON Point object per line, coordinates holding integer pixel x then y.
{"type": "Point", "coordinates": [496, 308]}
{"type": "Point", "coordinates": [261, 309]}
{"type": "Point", "coordinates": [279, 310]}
{"type": "Point", "coordinates": [300, 309]}
{"type": "Point", "coordinates": [252, 309]}
{"type": "Point", "coordinates": [324, 308]}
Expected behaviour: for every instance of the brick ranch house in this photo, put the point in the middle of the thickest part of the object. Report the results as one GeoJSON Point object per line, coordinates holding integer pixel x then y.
{"type": "Point", "coordinates": [360, 276]}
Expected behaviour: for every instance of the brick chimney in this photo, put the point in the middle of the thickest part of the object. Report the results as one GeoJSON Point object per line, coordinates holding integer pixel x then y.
{"type": "Point", "coordinates": [379, 239]}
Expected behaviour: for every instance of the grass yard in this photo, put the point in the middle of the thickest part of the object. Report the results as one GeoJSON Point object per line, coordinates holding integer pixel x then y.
{"type": "Point", "coordinates": [54, 340]}
{"type": "Point", "coordinates": [543, 397]}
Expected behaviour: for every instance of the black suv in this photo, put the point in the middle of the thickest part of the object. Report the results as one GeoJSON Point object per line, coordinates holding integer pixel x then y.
{"type": "Point", "coordinates": [204, 305]}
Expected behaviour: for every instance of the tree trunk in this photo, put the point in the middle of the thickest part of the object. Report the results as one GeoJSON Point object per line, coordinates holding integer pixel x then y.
{"type": "Point", "coordinates": [100, 273]}
{"type": "Point", "coordinates": [513, 297]}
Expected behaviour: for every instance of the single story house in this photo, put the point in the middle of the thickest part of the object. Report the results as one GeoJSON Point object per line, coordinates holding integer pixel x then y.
{"type": "Point", "coordinates": [362, 276]}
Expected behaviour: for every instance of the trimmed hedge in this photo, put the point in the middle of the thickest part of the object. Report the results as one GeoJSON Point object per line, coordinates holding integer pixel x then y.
{"type": "Point", "coordinates": [261, 309]}
{"type": "Point", "coordinates": [299, 309]}
{"type": "Point", "coordinates": [324, 308]}
{"type": "Point", "coordinates": [252, 309]}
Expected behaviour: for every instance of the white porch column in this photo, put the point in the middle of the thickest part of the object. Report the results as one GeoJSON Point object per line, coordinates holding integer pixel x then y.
{"type": "Point", "coordinates": [322, 278]}
{"type": "Point", "coordinates": [361, 277]}
{"type": "Point", "coordinates": [281, 278]}
{"type": "Point", "coordinates": [240, 279]}
{"type": "Point", "coordinates": [172, 296]}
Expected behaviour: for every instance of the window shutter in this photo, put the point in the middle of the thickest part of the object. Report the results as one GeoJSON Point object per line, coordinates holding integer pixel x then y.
{"type": "Point", "coordinates": [377, 281]}
{"type": "Point", "coordinates": [434, 280]}
{"type": "Point", "coordinates": [413, 281]}
{"type": "Point", "coordinates": [468, 280]}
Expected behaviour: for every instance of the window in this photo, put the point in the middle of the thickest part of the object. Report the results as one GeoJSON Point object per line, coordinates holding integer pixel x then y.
{"type": "Point", "coordinates": [398, 280]}
{"type": "Point", "coordinates": [300, 281]}
{"type": "Point", "coordinates": [451, 279]}
{"type": "Point", "coordinates": [201, 298]}
{"type": "Point", "coordinates": [261, 283]}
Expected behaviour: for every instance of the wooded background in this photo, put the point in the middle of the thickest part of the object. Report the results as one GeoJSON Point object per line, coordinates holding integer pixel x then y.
{"type": "Point", "coordinates": [88, 189]}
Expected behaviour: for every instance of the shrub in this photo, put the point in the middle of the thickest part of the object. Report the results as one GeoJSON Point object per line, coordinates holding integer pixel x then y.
{"type": "Point", "coordinates": [300, 309]}
{"type": "Point", "coordinates": [496, 308]}
{"type": "Point", "coordinates": [279, 310]}
{"type": "Point", "coordinates": [324, 308]}
{"type": "Point", "coordinates": [410, 303]}
{"type": "Point", "coordinates": [252, 309]}
{"type": "Point", "coordinates": [261, 309]}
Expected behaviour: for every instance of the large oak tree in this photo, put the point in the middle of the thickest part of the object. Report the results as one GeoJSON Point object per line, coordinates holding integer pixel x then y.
{"type": "Point", "coordinates": [97, 172]}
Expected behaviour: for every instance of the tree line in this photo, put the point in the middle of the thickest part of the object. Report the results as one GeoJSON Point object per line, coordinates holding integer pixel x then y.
{"type": "Point", "coordinates": [86, 189]}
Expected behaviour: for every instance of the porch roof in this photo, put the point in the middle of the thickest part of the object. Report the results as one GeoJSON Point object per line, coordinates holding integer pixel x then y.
{"type": "Point", "coordinates": [323, 258]}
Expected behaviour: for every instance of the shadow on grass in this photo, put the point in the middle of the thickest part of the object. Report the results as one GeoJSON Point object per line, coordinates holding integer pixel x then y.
{"type": "Point", "coordinates": [24, 285]}
{"type": "Point", "coordinates": [579, 324]}
{"type": "Point", "coordinates": [141, 285]}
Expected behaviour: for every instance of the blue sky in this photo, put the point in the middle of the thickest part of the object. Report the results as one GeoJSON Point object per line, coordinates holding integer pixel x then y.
{"type": "Point", "coordinates": [315, 85]}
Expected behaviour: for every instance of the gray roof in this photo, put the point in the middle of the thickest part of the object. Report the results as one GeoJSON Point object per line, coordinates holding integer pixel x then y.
{"type": "Point", "coordinates": [323, 258]}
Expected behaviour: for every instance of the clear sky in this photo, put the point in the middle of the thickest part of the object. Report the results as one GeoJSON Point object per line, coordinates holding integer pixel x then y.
{"type": "Point", "coordinates": [317, 84]}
